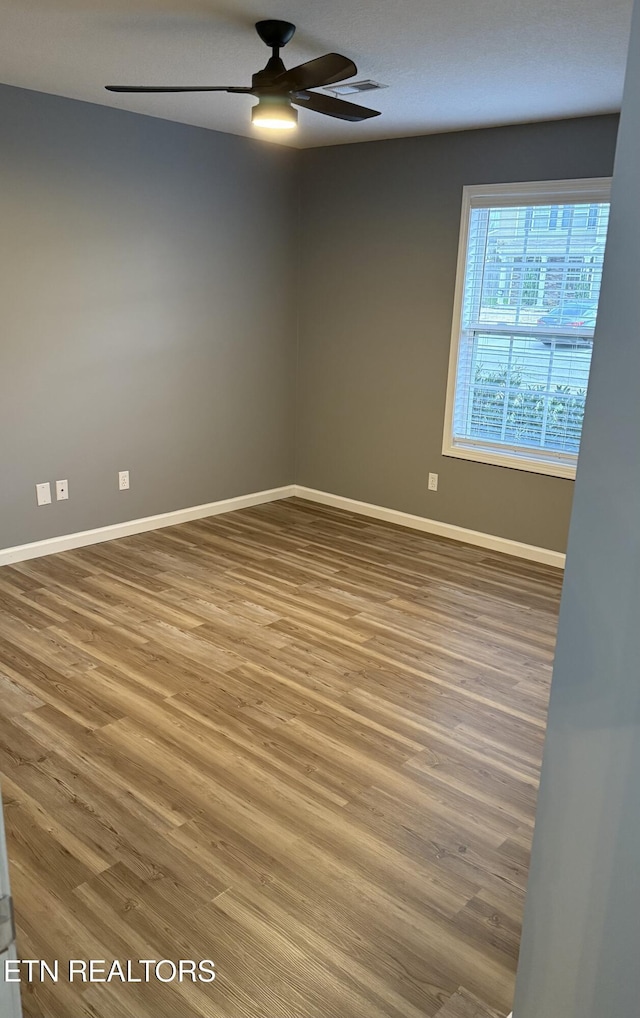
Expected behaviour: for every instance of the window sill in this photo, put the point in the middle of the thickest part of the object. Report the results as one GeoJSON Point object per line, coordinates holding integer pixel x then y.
{"type": "Point", "coordinates": [513, 460]}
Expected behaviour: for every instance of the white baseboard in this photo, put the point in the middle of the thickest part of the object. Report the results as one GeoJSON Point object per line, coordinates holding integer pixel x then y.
{"type": "Point", "coordinates": [475, 537]}
{"type": "Point", "coordinates": [22, 552]}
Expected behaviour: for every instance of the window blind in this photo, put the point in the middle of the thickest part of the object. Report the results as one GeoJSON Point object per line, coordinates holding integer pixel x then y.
{"type": "Point", "coordinates": [532, 275]}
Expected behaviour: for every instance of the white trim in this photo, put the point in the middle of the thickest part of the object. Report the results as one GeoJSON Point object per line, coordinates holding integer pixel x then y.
{"type": "Point", "coordinates": [510, 457]}
{"type": "Point", "coordinates": [538, 192]}
{"type": "Point", "coordinates": [22, 552]}
{"type": "Point", "coordinates": [67, 542]}
{"type": "Point", "coordinates": [456, 327]}
{"type": "Point", "coordinates": [454, 533]}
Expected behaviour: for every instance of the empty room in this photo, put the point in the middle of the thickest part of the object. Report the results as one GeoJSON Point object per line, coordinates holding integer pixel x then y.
{"type": "Point", "coordinates": [319, 509]}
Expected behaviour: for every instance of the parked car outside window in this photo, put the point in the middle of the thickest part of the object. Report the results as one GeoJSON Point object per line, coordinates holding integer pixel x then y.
{"type": "Point", "coordinates": [574, 315]}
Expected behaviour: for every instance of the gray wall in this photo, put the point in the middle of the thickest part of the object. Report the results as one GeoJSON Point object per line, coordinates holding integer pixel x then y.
{"type": "Point", "coordinates": [152, 278]}
{"type": "Point", "coordinates": [147, 314]}
{"type": "Point", "coordinates": [379, 241]}
{"type": "Point", "coordinates": [579, 955]}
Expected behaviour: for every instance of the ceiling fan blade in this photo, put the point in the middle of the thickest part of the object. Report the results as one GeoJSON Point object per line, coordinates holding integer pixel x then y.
{"type": "Point", "coordinates": [176, 88]}
{"type": "Point", "coordinates": [332, 107]}
{"type": "Point", "coordinates": [322, 71]}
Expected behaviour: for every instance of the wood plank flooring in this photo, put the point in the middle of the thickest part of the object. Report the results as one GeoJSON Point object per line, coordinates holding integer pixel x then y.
{"type": "Point", "coordinates": [464, 1005]}
{"type": "Point", "coordinates": [297, 742]}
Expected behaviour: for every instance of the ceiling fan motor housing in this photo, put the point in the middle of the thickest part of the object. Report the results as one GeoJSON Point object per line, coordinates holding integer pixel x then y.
{"type": "Point", "coordinates": [272, 69]}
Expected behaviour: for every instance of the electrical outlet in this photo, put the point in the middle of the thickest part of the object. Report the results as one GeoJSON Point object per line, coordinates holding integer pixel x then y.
{"type": "Point", "coordinates": [62, 490]}
{"type": "Point", "coordinates": [433, 482]}
{"type": "Point", "coordinates": [43, 493]}
{"type": "Point", "coordinates": [123, 480]}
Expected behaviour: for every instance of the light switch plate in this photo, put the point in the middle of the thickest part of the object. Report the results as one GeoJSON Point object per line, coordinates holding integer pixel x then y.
{"type": "Point", "coordinates": [43, 493]}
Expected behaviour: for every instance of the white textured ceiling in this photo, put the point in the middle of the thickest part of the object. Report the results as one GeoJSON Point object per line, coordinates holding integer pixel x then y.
{"type": "Point", "coordinates": [449, 64]}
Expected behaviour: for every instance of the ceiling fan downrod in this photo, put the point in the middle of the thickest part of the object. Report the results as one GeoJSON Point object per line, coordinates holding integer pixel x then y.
{"type": "Point", "coordinates": [275, 34]}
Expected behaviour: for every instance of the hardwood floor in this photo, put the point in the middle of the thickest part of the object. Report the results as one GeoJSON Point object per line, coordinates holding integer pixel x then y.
{"type": "Point", "coordinates": [297, 742]}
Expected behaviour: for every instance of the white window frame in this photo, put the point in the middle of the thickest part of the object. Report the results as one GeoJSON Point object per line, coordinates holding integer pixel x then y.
{"type": "Point", "coordinates": [541, 192]}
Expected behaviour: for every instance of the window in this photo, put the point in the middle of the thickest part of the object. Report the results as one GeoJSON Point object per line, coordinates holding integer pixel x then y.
{"type": "Point", "coordinates": [529, 272]}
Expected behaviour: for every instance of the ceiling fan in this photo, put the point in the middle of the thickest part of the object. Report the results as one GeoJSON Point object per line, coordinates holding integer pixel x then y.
{"type": "Point", "coordinates": [278, 90]}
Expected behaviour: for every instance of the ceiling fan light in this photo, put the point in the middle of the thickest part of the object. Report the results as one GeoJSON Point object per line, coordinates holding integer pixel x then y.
{"type": "Point", "coordinates": [275, 113]}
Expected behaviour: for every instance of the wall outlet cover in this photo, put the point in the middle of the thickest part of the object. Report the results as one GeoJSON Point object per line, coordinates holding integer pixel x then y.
{"type": "Point", "coordinates": [62, 490]}
{"type": "Point", "coordinates": [123, 480]}
{"type": "Point", "coordinates": [433, 482]}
